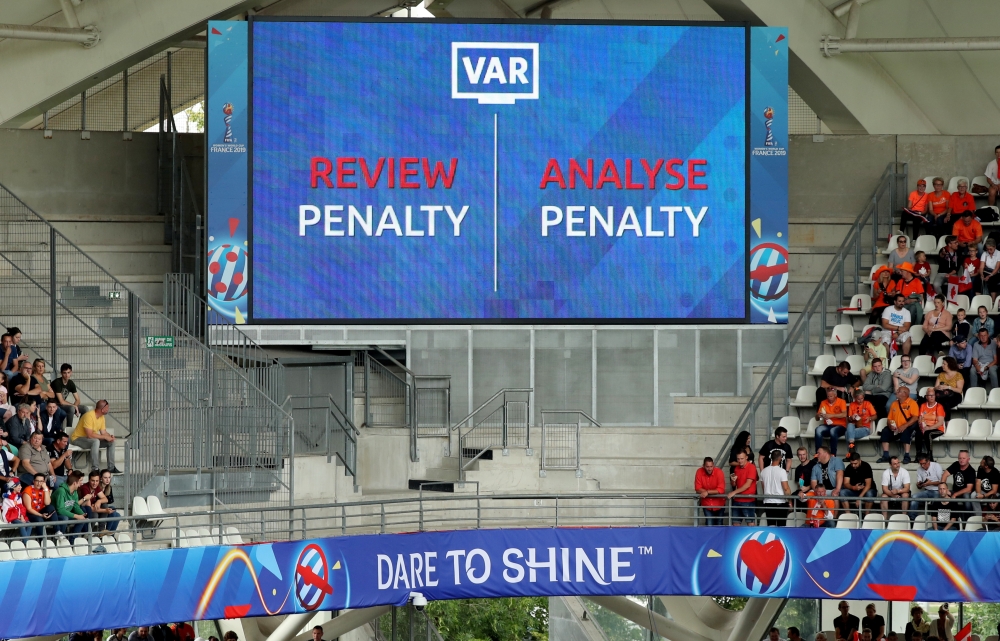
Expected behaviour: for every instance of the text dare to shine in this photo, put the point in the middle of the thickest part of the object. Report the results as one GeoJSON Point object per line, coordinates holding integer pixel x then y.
{"type": "Point", "coordinates": [411, 220]}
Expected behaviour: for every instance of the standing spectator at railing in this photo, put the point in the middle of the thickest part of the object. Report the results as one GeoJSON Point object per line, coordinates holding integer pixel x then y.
{"type": "Point", "coordinates": [963, 484]}
{"type": "Point", "coordinates": [709, 484]}
{"type": "Point", "coordinates": [774, 478]}
{"type": "Point", "coordinates": [838, 378]}
{"type": "Point", "coordinates": [942, 626]}
{"type": "Point", "coordinates": [968, 231]}
{"type": "Point", "coordinates": [67, 503]}
{"type": "Point", "coordinates": [858, 482]}
{"type": "Point", "coordinates": [778, 444]}
{"type": "Point", "coordinates": [51, 421]}
{"type": "Point", "coordinates": [37, 499]}
{"type": "Point", "coordinates": [832, 417]}
{"type": "Point", "coordinates": [744, 481]}
{"type": "Point", "coordinates": [903, 415]}
{"type": "Point", "coordinates": [12, 510]}
{"type": "Point", "coordinates": [896, 320]}
{"type": "Point", "coordinates": [873, 623]}
{"type": "Point", "coordinates": [117, 634]}
{"type": "Point", "coordinates": [961, 351]}
{"type": "Point", "coordinates": [740, 444]}
{"type": "Point", "coordinates": [846, 625]}
{"type": "Point", "coordinates": [918, 626]}
{"type": "Point", "coordinates": [937, 328]}
{"type": "Point", "coordinates": [140, 634]}
{"type": "Point", "coordinates": [877, 389]}
{"type": "Point", "coordinates": [860, 414]}
{"type": "Point", "coordinates": [928, 486]}
{"type": "Point", "coordinates": [67, 395]}
{"type": "Point", "coordinates": [184, 632]}
{"type": "Point", "coordinates": [828, 472]}
{"type": "Point", "coordinates": [92, 432]}
{"type": "Point", "coordinates": [23, 386]}
{"type": "Point", "coordinates": [19, 427]}
{"type": "Point", "coordinates": [34, 460]}
{"type": "Point", "coordinates": [984, 361]}
{"type": "Point", "coordinates": [917, 209]}
{"type": "Point", "coordinates": [61, 458]}
{"type": "Point", "coordinates": [821, 509]}
{"type": "Point", "coordinates": [895, 487]}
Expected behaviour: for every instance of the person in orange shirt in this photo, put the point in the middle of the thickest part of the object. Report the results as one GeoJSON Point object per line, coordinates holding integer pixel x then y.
{"type": "Point", "coordinates": [821, 509]}
{"type": "Point", "coordinates": [931, 423]}
{"type": "Point", "coordinates": [917, 206]}
{"type": "Point", "coordinates": [968, 231]}
{"type": "Point", "coordinates": [938, 201]}
{"type": "Point", "coordinates": [883, 293]}
{"type": "Point", "coordinates": [913, 291]}
{"type": "Point", "coordinates": [903, 416]}
{"type": "Point", "coordinates": [832, 417]}
{"type": "Point", "coordinates": [961, 201]}
{"type": "Point", "coordinates": [859, 418]}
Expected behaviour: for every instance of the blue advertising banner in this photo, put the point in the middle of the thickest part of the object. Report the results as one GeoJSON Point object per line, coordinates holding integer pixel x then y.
{"type": "Point", "coordinates": [360, 571]}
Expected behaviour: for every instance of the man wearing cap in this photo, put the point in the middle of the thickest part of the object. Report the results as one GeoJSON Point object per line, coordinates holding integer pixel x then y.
{"type": "Point", "coordinates": [913, 289]}
{"type": "Point", "coordinates": [916, 208]}
{"type": "Point", "coordinates": [968, 231]}
{"type": "Point", "coordinates": [897, 320]}
{"type": "Point", "coordinates": [961, 351]}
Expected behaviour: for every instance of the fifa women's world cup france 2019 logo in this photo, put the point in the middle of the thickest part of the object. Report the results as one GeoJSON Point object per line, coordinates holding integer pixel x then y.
{"type": "Point", "coordinates": [227, 112]}
{"type": "Point", "coordinates": [768, 120]}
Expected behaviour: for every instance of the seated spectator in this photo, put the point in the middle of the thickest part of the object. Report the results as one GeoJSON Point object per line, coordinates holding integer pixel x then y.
{"type": "Point", "coordinates": [60, 457]}
{"type": "Point", "coordinates": [928, 485]}
{"type": "Point", "coordinates": [987, 485]}
{"type": "Point", "coordinates": [839, 378]}
{"type": "Point", "coordinates": [832, 417]}
{"type": "Point", "coordinates": [6, 409]}
{"type": "Point", "coordinates": [949, 386]}
{"type": "Point", "coordinates": [34, 460]}
{"type": "Point", "coordinates": [51, 421]}
{"type": "Point", "coordinates": [906, 375]}
{"type": "Point", "coordinates": [961, 201]}
{"type": "Point", "coordinates": [895, 487]}
{"type": "Point", "coordinates": [963, 484]}
{"type": "Point", "coordinates": [984, 361]}
{"type": "Point", "coordinates": [913, 289]}
{"type": "Point", "coordinates": [140, 634]}
{"type": "Point", "coordinates": [709, 484]}
{"type": "Point", "coordinates": [932, 421]}
{"type": "Point", "coordinates": [8, 462]}
{"type": "Point", "coordinates": [917, 626]}
{"type": "Point", "coordinates": [821, 509]}
{"type": "Point", "coordinates": [740, 444]}
{"type": "Point", "coordinates": [922, 268]}
{"type": "Point", "coordinates": [991, 268]}
{"type": "Point", "coordinates": [903, 416]}
{"type": "Point", "coordinates": [780, 444]}
{"type": "Point", "coordinates": [68, 510]}
{"type": "Point", "coordinates": [23, 386]}
{"type": "Point", "coordinates": [876, 349]}
{"type": "Point", "coordinates": [982, 321]}
{"type": "Point", "coordinates": [877, 389]}
{"type": "Point", "coordinates": [938, 201]}
{"type": "Point", "coordinates": [917, 208]}
{"type": "Point", "coordinates": [774, 478]}
{"type": "Point", "coordinates": [968, 231]}
{"type": "Point", "coordinates": [38, 373]}
{"type": "Point", "coordinates": [118, 634]}
{"type": "Point", "coordinates": [937, 329]}
{"type": "Point", "coordinates": [896, 320]}
{"type": "Point", "coordinates": [961, 351]}
{"type": "Point", "coordinates": [962, 327]}
{"type": "Point", "coordinates": [860, 414]}
{"type": "Point", "coordinates": [109, 492]}
{"type": "Point", "coordinates": [900, 255]}
{"type": "Point", "coordinates": [803, 473]}
{"type": "Point", "coordinates": [883, 292]}
{"type": "Point", "coordinates": [828, 472]}
{"type": "Point", "coordinates": [37, 499]}
{"type": "Point", "coordinates": [873, 623]}
{"type": "Point", "coordinates": [91, 432]}
{"type": "Point", "coordinates": [67, 395]}
{"type": "Point", "coordinates": [846, 625]}
{"type": "Point", "coordinates": [859, 482]}
{"type": "Point", "coordinates": [744, 481]}
{"type": "Point", "coordinates": [12, 510]}
{"type": "Point", "coordinates": [95, 503]}
{"type": "Point", "coordinates": [12, 356]}
{"type": "Point", "coordinates": [994, 184]}
{"type": "Point", "coordinates": [971, 282]}
{"type": "Point", "coordinates": [949, 263]}
{"type": "Point", "coordinates": [19, 427]}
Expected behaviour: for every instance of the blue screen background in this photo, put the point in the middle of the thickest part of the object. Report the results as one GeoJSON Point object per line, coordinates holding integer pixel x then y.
{"type": "Point", "coordinates": [605, 91]}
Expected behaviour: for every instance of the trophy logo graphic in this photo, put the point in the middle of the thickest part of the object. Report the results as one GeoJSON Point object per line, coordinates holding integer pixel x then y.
{"type": "Point", "coordinates": [768, 119]}
{"type": "Point", "coordinates": [227, 110]}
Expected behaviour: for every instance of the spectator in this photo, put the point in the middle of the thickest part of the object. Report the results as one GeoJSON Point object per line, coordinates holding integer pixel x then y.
{"type": "Point", "coordinates": [858, 482]}
{"type": "Point", "coordinates": [828, 472]}
{"type": "Point", "coordinates": [937, 328]}
{"type": "Point", "coordinates": [8, 462]}
{"type": "Point", "coordinates": [740, 444]}
{"type": "Point", "coordinates": [917, 208]}
{"type": "Point", "coordinates": [19, 427]}
{"type": "Point", "coordinates": [772, 635]}
{"type": "Point", "coordinates": [95, 503]}
{"type": "Point", "coordinates": [921, 268]}
{"type": "Point", "coordinates": [109, 491]}
{"type": "Point", "coordinates": [987, 480]}
{"type": "Point", "coordinates": [991, 267]}
{"type": "Point", "coordinates": [878, 387]}
{"type": "Point", "coordinates": [962, 328]}
{"type": "Point", "coordinates": [61, 458]}
{"type": "Point", "coordinates": [140, 634]}
{"type": "Point", "coordinates": [917, 625]}
{"type": "Point", "coordinates": [92, 432]}
{"type": "Point", "coordinates": [12, 510]}
{"type": "Point", "coordinates": [874, 350]}
{"type": "Point", "coordinates": [839, 378]}
{"type": "Point", "coordinates": [68, 509]}
{"type": "Point", "coordinates": [883, 291]}
{"type": "Point", "coordinates": [866, 635]}
{"type": "Point", "coordinates": [982, 321]}
{"type": "Point", "coordinates": [949, 263]}
{"type": "Point", "coordinates": [774, 478]}
{"type": "Point", "coordinates": [13, 358]}
{"type": "Point", "coordinates": [803, 473]}
{"type": "Point", "coordinates": [34, 459]}
{"type": "Point", "coordinates": [51, 421]}
{"type": "Point", "coordinates": [938, 202]}
{"type": "Point", "coordinates": [913, 289]}
{"type": "Point", "coordinates": [832, 417]}
{"type": "Point", "coordinates": [969, 233]}
{"type": "Point", "coordinates": [891, 636]}
{"type": "Point", "coordinates": [963, 483]}
{"type": "Point", "coordinates": [949, 386]}
{"type": "Point", "coordinates": [961, 351]}
{"type": "Point", "coordinates": [184, 632]}
{"type": "Point", "coordinates": [873, 623]}
{"type": "Point", "coordinates": [67, 395]}
{"type": "Point", "coordinates": [994, 184]}
{"type": "Point", "coordinates": [230, 636]}
{"type": "Point", "coordinates": [117, 634]}
{"type": "Point", "coordinates": [709, 484]}
{"type": "Point", "coordinates": [961, 201]}
{"type": "Point", "coordinates": [984, 361]}
{"type": "Point", "coordinates": [928, 485]}
{"type": "Point", "coordinates": [903, 416]}
{"type": "Point", "coordinates": [744, 480]}
{"type": "Point", "coordinates": [895, 487]}
{"type": "Point", "coordinates": [972, 267]}
{"type": "Point", "coordinates": [23, 388]}
{"type": "Point", "coordinates": [6, 409]}
{"type": "Point", "coordinates": [37, 501]}
{"type": "Point", "coordinates": [942, 627]}
{"type": "Point", "coordinates": [821, 509]}
{"type": "Point", "coordinates": [901, 255]}
{"type": "Point", "coordinates": [778, 443]}
{"type": "Point", "coordinates": [896, 320]}
{"type": "Point", "coordinates": [932, 421]}
{"type": "Point", "coordinates": [794, 634]}
{"type": "Point", "coordinates": [846, 624]}
{"type": "Point", "coordinates": [820, 636]}
{"type": "Point", "coordinates": [860, 414]}
{"type": "Point", "coordinates": [38, 373]}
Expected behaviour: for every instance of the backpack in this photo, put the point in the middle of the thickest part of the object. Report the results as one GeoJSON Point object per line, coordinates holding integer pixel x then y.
{"type": "Point", "coordinates": [869, 335]}
{"type": "Point", "coordinates": [987, 215]}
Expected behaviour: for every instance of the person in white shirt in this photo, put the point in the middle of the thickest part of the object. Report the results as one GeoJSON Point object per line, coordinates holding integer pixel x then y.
{"type": "Point", "coordinates": [928, 485]}
{"type": "Point", "coordinates": [896, 320]}
{"type": "Point", "coordinates": [775, 480]}
{"type": "Point", "coordinates": [991, 176]}
{"type": "Point", "coordinates": [991, 268]}
{"type": "Point", "coordinates": [895, 485]}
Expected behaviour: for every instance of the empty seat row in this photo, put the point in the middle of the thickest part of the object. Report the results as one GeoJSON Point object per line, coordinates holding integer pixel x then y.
{"type": "Point", "coordinates": [843, 335]}
{"type": "Point", "coordinates": [20, 551]}
{"type": "Point", "coordinates": [204, 537]}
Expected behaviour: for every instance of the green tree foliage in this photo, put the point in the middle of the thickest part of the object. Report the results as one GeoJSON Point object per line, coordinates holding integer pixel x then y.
{"type": "Point", "coordinates": [984, 617]}
{"type": "Point", "coordinates": [525, 619]}
{"type": "Point", "coordinates": [801, 613]}
{"type": "Point", "coordinates": [734, 603]}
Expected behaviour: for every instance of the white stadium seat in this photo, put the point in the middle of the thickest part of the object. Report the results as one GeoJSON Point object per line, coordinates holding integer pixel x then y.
{"type": "Point", "coordinates": [5, 552]}
{"type": "Point", "coordinates": [125, 542]}
{"type": "Point", "coordinates": [916, 335]}
{"type": "Point", "coordinates": [895, 362]}
{"type": "Point", "coordinates": [898, 522]}
{"type": "Point", "coordinates": [810, 431]}
{"type": "Point", "coordinates": [64, 549]}
{"type": "Point", "coordinates": [33, 549]}
{"type": "Point", "coordinates": [80, 547]}
{"type": "Point", "coordinates": [974, 523]}
{"type": "Point", "coordinates": [956, 430]}
{"type": "Point", "coordinates": [848, 521]}
{"type": "Point", "coordinates": [18, 551]}
{"type": "Point", "coordinates": [953, 183]}
{"type": "Point", "coordinates": [974, 399]}
{"type": "Point", "coordinates": [980, 431]}
{"type": "Point", "coordinates": [857, 362]}
{"type": "Point", "coordinates": [927, 244]}
{"type": "Point", "coordinates": [842, 335]}
{"type": "Point", "coordinates": [805, 396]}
{"type": "Point", "coordinates": [924, 364]}
{"type": "Point", "coordinates": [233, 535]}
{"type": "Point", "coordinates": [139, 508]}
{"type": "Point", "coordinates": [873, 521]}
{"type": "Point", "coordinates": [790, 423]}
{"type": "Point", "coordinates": [993, 400]}
{"type": "Point", "coordinates": [864, 301]}
{"type": "Point", "coordinates": [962, 302]}
{"type": "Point", "coordinates": [821, 363]}
{"type": "Point", "coordinates": [980, 300]}
{"type": "Point", "coordinates": [920, 523]}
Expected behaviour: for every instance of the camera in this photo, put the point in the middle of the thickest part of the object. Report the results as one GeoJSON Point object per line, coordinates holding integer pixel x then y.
{"type": "Point", "coordinates": [419, 600]}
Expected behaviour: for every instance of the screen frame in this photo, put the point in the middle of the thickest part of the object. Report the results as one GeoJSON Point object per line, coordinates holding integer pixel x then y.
{"type": "Point", "coordinates": [253, 320]}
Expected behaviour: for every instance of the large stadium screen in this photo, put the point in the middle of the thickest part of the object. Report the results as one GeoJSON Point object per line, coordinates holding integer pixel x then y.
{"type": "Point", "coordinates": [507, 172]}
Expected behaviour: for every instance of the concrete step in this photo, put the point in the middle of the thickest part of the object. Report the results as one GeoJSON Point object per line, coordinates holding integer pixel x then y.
{"type": "Point", "coordinates": [131, 259]}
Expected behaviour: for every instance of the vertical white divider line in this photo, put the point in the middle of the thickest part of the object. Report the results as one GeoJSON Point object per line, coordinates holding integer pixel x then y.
{"type": "Point", "coordinates": [494, 202]}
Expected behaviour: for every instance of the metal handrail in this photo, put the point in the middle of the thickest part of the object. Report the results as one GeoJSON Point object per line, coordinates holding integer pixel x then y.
{"type": "Point", "coordinates": [891, 186]}
{"type": "Point", "coordinates": [492, 441]}
{"type": "Point", "coordinates": [347, 427]}
{"type": "Point", "coordinates": [487, 402]}
{"type": "Point", "coordinates": [577, 442]}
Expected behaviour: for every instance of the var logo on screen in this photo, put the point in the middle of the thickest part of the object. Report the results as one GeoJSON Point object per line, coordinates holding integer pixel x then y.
{"type": "Point", "coordinates": [494, 73]}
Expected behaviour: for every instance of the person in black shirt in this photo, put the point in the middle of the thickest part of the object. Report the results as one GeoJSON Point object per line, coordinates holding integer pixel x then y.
{"type": "Point", "coordinates": [61, 457]}
{"type": "Point", "coordinates": [963, 484]}
{"type": "Point", "coordinates": [988, 487]}
{"type": "Point", "coordinates": [846, 624]}
{"type": "Point", "coordinates": [24, 388]}
{"type": "Point", "coordinates": [741, 444]}
{"type": "Point", "coordinates": [873, 622]}
{"type": "Point", "coordinates": [838, 377]}
{"type": "Point", "coordinates": [803, 473]}
{"type": "Point", "coordinates": [779, 442]}
{"type": "Point", "coordinates": [858, 481]}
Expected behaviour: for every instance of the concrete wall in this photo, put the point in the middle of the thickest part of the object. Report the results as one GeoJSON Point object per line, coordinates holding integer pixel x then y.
{"type": "Point", "coordinates": [945, 156]}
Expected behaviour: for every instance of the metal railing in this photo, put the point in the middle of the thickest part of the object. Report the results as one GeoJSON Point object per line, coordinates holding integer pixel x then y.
{"type": "Point", "coordinates": [322, 427]}
{"type": "Point", "coordinates": [561, 439]}
{"type": "Point", "coordinates": [503, 425]}
{"type": "Point", "coordinates": [806, 338]}
{"type": "Point", "coordinates": [433, 404]}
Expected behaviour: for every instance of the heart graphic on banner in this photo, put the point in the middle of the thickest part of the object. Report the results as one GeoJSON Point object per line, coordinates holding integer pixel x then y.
{"type": "Point", "coordinates": [762, 559]}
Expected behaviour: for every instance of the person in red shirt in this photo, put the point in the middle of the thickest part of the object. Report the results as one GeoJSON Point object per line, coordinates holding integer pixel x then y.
{"type": "Point", "coordinates": [710, 484]}
{"type": "Point", "coordinates": [961, 201]}
{"type": "Point", "coordinates": [832, 417]}
{"type": "Point", "coordinates": [744, 481]}
{"type": "Point", "coordinates": [37, 501]}
{"type": "Point", "coordinates": [968, 231]}
{"type": "Point", "coordinates": [183, 631]}
{"type": "Point", "coordinates": [972, 270]}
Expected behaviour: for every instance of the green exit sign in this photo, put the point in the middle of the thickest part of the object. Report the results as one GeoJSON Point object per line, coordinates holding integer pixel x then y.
{"type": "Point", "coordinates": [159, 342]}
